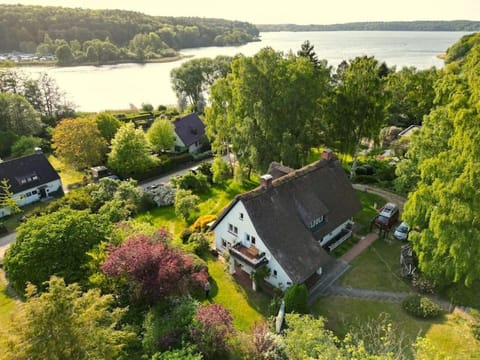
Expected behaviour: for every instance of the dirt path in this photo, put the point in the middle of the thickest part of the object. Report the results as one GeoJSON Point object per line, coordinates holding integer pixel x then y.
{"type": "Point", "coordinates": [387, 195]}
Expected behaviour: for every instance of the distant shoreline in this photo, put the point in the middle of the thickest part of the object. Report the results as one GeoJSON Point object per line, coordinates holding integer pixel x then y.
{"type": "Point", "coordinates": [115, 62]}
{"type": "Point", "coordinates": [436, 26]}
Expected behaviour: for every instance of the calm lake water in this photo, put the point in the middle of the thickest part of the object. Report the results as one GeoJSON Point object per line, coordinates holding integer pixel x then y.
{"type": "Point", "coordinates": [98, 88]}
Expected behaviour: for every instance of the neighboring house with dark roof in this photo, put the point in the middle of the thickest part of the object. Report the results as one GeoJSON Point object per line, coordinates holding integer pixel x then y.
{"type": "Point", "coordinates": [31, 178]}
{"type": "Point", "coordinates": [189, 133]}
{"type": "Point", "coordinates": [290, 223]}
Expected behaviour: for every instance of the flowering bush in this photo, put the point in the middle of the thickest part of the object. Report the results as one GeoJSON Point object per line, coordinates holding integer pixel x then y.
{"type": "Point", "coordinates": [421, 307]}
{"type": "Point", "coordinates": [153, 269]}
{"type": "Point", "coordinates": [212, 330]}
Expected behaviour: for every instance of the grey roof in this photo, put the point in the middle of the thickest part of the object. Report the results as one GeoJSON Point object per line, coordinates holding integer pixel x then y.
{"type": "Point", "coordinates": [27, 172]}
{"type": "Point", "coordinates": [281, 214]}
{"type": "Point", "coordinates": [278, 170]}
{"type": "Point", "coordinates": [189, 129]}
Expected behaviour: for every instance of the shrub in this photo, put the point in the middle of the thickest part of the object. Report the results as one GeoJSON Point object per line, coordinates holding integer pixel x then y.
{"type": "Point", "coordinates": [365, 170]}
{"type": "Point", "coordinates": [163, 195]}
{"type": "Point", "coordinates": [198, 243]}
{"type": "Point", "coordinates": [220, 170]}
{"type": "Point", "coordinates": [421, 307]}
{"type": "Point", "coordinates": [201, 223]}
{"type": "Point", "coordinates": [197, 183]}
{"type": "Point", "coordinates": [365, 179]}
{"type": "Point", "coordinates": [185, 235]}
{"type": "Point", "coordinates": [296, 299]}
{"type": "Point", "coordinates": [420, 283]}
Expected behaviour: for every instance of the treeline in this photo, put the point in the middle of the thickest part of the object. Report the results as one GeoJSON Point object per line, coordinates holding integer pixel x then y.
{"type": "Point", "coordinates": [127, 34]}
{"type": "Point", "coordinates": [456, 25]}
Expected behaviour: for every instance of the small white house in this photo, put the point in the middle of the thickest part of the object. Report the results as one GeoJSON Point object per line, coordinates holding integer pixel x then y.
{"type": "Point", "coordinates": [189, 133]}
{"type": "Point", "coordinates": [290, 223]}
{"type": "Point", "coordinates": [31, 178]}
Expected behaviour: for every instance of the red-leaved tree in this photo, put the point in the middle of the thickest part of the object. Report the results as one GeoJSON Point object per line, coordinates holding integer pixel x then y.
{"type": "Point", "coordinates": [213, 327]}
{"type": "Point", "coordinates": [152, 268]}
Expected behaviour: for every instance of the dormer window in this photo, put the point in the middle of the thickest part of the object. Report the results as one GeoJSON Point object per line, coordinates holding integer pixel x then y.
{"type": "Point", "coordinates": [316, 222]}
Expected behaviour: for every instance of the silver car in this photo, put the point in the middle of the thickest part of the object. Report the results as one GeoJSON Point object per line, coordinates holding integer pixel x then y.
{"type": "Point", "coordinates": [401, 232]}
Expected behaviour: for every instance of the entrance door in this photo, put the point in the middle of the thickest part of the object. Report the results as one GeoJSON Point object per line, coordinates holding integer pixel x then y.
{"type": "Point", "coordinates": [43, 193]}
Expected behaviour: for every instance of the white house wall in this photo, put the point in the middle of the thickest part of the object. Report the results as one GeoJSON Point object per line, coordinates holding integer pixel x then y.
{"type": "Point", "coordinates": [27, 197]}
{"type": "Point", "coordinates": [245, 226]}
{"type": "Point", "coordinates": [333, 233]}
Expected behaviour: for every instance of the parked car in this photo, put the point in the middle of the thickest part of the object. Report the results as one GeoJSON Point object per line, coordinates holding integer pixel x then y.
{"type": "Point", "coordinates": [401, 232]}
{"type": "Point", "coordinates": [387, 216]}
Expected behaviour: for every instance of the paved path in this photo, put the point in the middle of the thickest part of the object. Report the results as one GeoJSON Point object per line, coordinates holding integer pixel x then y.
{"type": "Point", "coordinates": [5, 242]}
{"type": "Point", "coordinates": [369, 294]}
{"type": "Point", "coordinates": [360, 247]}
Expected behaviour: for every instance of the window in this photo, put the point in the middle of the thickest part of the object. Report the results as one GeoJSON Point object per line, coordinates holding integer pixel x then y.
{"type": "Point", "coordinates": [232, 229]}
{"type": "Point", "coordinates": [247, 237]}
{"type": "Point", "coordinates": [34, 177]}
{"type": "Point", "coordinates": [241, 216]}
{"type": "Point", "coordinates": [224, 243]}
{"type": "Point", "coordinates": [34, 192]}
{"type": "Point", "coordinates": [316, 222]}
{"type": "Point", "coordinates": [29, 194]}
{"type": "Point", "coordinates": [253, 239]}
{"type": "Point", "coordinates": [275, 273]}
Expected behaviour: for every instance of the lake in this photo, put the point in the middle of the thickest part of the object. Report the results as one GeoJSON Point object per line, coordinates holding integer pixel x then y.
{"type": "Point", "coordinates": [98, 88]}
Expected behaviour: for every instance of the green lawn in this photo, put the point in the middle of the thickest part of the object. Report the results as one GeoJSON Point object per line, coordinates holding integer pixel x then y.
{"type": "Point", "coordinates": [245, 305]}
{"type": "Point", "coordinates": [449, 334]}
{"type": "Point", "coordinates": [378, 267]}
{"type": "Point", "coordinates": [212, 202]}
{"type": "Point", "coordinates": [68, 175]}
{"type": "Point", "coordinates": [370, 205]}
{"type": "Point", "coordinates": [7, 303]}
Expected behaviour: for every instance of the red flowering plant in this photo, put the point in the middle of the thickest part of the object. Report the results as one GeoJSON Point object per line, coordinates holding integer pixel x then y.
{"type": "Point", "coordinates": [152, 268]}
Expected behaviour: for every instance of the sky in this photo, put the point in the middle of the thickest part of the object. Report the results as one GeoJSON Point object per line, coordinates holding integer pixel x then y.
{"type": "Point", "coordinates": [294, 12]}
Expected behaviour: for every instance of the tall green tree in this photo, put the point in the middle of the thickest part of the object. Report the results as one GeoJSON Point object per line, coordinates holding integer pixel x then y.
{"type": "Point", "coordinates": [443, 210]}
{"type": "Point", "coordinates": [108, 125]}
{"type": "Point", "coordinates": [53, 244]}
{"type": "Point", "coordinates": [192, 79]}
{"type": "Point", "coordinates": [274, 103]}
{"type": "Point", "coordinates": [64, 323]}
{"type": "Point", "coordinates": [130, 152]}
{"type": "Point", "coordinates": [17, 115]}
{"type": "Point", "coordinates": [410, 95]}
{"type": "Point", "coordinates": [6, 198]}
{"type": "Point", "coordinates": [79, 142]}
{"type": "Point", "coordinates": [359, 105]}
{"type": "Point", "coordinates": [161, 135]}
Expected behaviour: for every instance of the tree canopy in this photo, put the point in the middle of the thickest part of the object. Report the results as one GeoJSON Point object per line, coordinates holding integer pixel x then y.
{"type": "Point", "coordinates": [443, 209]}
{"type": "Point", "coordinates": [17, 115]}
{"type": "Point", "coordinates": [53, 244]}
{"type": "Point", "coordinates": [269, 108]}
{"type": "Point", "coordinates": [79, 142]}
{"type": "Point", "coordinates": [81, 35]}
{"type": "Point", "coordinates": [130, 152]}
{"type": "Point", "coordinates": [161, 135]}
{"type": "Point", "coordinates": [64, 323]}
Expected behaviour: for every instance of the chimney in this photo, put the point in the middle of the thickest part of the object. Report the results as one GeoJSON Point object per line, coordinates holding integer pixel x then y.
{"type": "Point", "coordinates": [266, 181]}
{"type": "Point", "coordinates": [327, 155]}
{"type": "Point", "coordinates": [38, 150]}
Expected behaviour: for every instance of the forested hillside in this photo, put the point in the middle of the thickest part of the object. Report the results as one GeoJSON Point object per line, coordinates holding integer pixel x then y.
{"type": "Point", "coordinates": [37, 28]}
{"type": "Point", "coordinates": [457, 25]}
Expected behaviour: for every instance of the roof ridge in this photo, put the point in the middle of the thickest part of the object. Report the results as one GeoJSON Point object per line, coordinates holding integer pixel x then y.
{"type": "Point", "coordinates": [259, 190]}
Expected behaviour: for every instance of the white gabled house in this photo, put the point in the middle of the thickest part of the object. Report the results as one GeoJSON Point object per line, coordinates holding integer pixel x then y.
{"type": "Point", "coordinates": [31, 178]}
{"type": "Point", "coordinates": [189, 133]}
{"type": "Point", "coordinates": [290, 223]}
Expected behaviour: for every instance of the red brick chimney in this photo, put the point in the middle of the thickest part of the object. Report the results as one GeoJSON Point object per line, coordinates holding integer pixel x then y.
{"type": "Point", "coordinates": [327, 154]}
{"type": "Point", "coordinates": [266, 181]}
